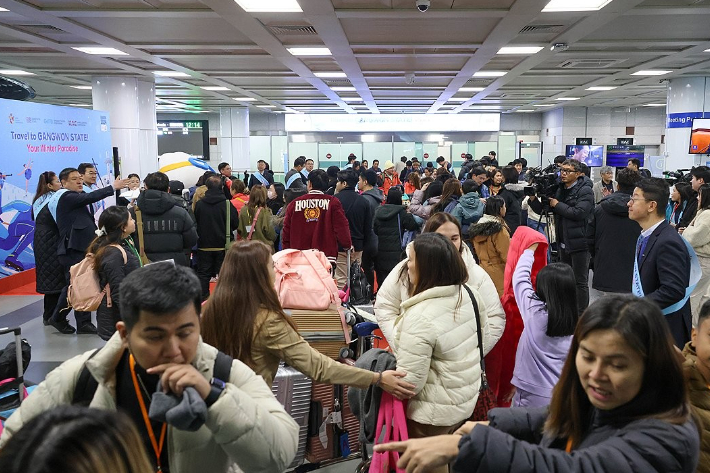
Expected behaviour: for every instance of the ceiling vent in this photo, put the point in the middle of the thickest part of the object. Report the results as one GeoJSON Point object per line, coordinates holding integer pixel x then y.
{"type": "Point", "coordinates": [480, 82]}
{"type": "Point", "coordinates": [538, 29]}
{"type": "Point", "coordinates": [337, 81]}
{"type": "Point", "coordinates": [589, 63]}
{"type": "Point", "coordinates": [293, 30]}
{"type": "Point", "coordinates": [519, 95]}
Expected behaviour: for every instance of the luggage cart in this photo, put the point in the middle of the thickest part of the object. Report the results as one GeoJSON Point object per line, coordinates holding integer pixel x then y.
{"type": "Point", "coordinates": [12, 391]}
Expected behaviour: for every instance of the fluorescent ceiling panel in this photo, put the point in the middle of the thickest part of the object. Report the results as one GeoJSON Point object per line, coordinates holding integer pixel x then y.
{"type": "Point", "coordinates": [601, 87]}
{"type": "Point", "coordinates": [543, 104]}
{"type": "Point", "coordinates": [489, 74]}
{"type": "Point", "coordinates": [244, 99]}
{"type": "Point", "coordinates": [519, 49]}
{"type": "Point", "coordinates": [575, 5]}
{"type": "Point", "coordinates": [79, 105]}
{"type": "Point", "coordinates": [655, 105]}
{"type": "Point", "coordinates": [81, 87]}
{"type": "Point", "coordinates": [270, 6]}
{"type": "Point", "coordinates": [3, 9]}
{"type": "Point", "coordinates": [353, 99]}
{"type": "Point", "coordinates": [266, 106]}
{"type": "Point", "coordinates": [651, 73]}
{"type": "Point", "coordinates": [310, 51]}
{"type": "Point", "coordinates": [343, 89]}
{"type": "Point", "coordinates": [170, 74]}
{"type": "Point", "coordinates": [524, 111]}
{"type": "Point", "coordinates": [568, 98]}
{"type": "Point", "coordinates": [471, 89]}
{"type": "Point", "coordinates": [215, 88]}
{"type": "Point", "coordinates": [15, 72]}
{"type": "Point", "coordinates": [101, 51]}
{"type": "Point", "coordinates": [329, 75]}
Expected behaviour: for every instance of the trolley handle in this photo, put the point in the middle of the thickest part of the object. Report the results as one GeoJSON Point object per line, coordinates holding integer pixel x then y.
{"type": "Point", "coordinates": [5, 330]}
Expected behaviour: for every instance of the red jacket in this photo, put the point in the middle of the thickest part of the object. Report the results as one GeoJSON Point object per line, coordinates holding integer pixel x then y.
{"type": "Point", "coordinates": [316, 221]}
{"type": "Point", "coordinates": [500, 361]}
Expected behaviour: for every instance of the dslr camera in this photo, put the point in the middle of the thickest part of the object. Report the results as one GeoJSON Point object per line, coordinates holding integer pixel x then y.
{"type": "Point", "coordinates": [680, 175]}
{"type": "Point", "coordinates": [543, 183]}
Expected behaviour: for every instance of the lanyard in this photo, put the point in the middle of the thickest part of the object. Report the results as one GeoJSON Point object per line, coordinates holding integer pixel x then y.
{"type": "Point", "coordinates": [157, 448]}
{"type": "Point", "coordinates": [134, 251]}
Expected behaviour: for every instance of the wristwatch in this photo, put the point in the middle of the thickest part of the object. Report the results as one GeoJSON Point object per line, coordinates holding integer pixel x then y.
{"type": "Point", "coordinates": [217, 386]}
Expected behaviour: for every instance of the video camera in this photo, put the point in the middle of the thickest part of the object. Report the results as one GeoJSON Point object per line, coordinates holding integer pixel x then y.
{"type": "Point", "coordinates": [543, 183]}
{"type": "Point", "coordinates": [680, 175]}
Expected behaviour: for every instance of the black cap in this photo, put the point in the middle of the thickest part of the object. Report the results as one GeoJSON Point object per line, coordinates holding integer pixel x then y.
{"type": "Point", "coordinates": [176, 187]}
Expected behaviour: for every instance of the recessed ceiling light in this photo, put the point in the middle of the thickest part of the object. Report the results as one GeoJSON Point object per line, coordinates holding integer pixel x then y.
{"type": "Point", "coordinates": [329, 75]}
{"type": "Point", "coordinates": [343, 89]}
{"type": "Point", "coordinates": [458, 99]}
{"type": "Point", "coordinates": [214, 88]}
{"type": "Point", "coordinates": [655, 105]}
{"type": "Point", "coordinates": [568, 98]}
{"type": "Point", "coordinates": [3, 9]}
{"type": "Point", "coordinates": [270, 6]}
{"type": "Point", "coordinates": [244, 99]}
{"type": "Point", "coordinates": [489, 74]}
{"type": "Point", "coordinates": [310, 51]}
{"type": "Point", "coordinates": [601, 87]}
{"type": "Point", "coordinates": [575, 5]}
{"type": "Point", "coordinates": [485, 107]}
{"type": "Point", "coordinates": [79, 105]}
{"type": "Point", "coordinates": [524, 111]}
{"type": "Point", "coordinates": [650, 73]}
{"type": "Point", "coordinates": [707, 51]}
{"type": "Point", "coordinates": [15, 72]}
{"type": "Point", "coordinates": [81, 87]}
{"type": "Point", "coordinates": [543, 104]}
{"type": "Point", "coordinates": [353, 99]}
{"type": "Point", "coordinates": [266, 106]}
{"type": "Point", "coordinates": [471, 89]}
{"type": "Point", "coordinates": [101, 51]}
{"type": "Point", "coordinates": [170, 74]}
{"type": "Point", "coordinates": [519, 49]}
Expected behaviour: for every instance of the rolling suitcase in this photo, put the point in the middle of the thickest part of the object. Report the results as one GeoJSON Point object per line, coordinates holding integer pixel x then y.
{"type": "Point", "coordinates": [12, 390]}
{"type": "Point", "coordinates": [333, 429]}
{"type": "Point", "coordinates": [324, 330]}
{"type": "Point", "coordinates": [293, 390]}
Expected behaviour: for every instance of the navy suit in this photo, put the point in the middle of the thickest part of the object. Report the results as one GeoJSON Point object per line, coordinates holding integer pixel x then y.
{"type": "Point", "coordinates": [76, 232]}
{"type": "Point", "coordinates": [665, 274]}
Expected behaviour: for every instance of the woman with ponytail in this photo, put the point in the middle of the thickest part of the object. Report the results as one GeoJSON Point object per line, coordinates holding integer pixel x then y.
{"type": "Point", "coordinates": [114, 257]}
{"type": "Point", "coordinates": [50, 274]}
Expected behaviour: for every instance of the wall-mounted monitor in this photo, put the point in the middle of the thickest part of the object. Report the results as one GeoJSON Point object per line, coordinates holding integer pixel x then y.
{"type": "Point", "coordinates": [592, 156]}
{"type": "Point", "coordinates": [700, 136]}
{"type": "Point", "coordinates": [618, 155]}
{"type": "Point", "coordinates": [186, 136]}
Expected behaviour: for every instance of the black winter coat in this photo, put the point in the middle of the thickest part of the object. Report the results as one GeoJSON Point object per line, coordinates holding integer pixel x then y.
{"type": "Point", "coordinates": [572, 214]}
{"type": "Point", "coordinates": [513, 195]}
{"type": "Point", "coordinates": [689, 213]}
{"type": "Point", "coordinates": [112, 272]}
{"type": "Point", "coordinates": [76, 223]}
{"type": "Point", "coordinates": [359, 214]}
{"type": "Point", "coordinates": [211, 216]}
{"type": "Point", "coordinates": [514, 444]}
{"type": "Point", "coordinates": [168, 230]}
{"type": "Point", "coordinates": [612, 243]}
{"type": "Point", "coordinates": [387, 229]}
{"type": "Point", "coordinates": [50, 274]}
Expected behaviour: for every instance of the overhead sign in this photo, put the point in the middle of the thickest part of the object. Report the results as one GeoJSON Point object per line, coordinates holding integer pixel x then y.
{"type": "Point", "coordinates": [387, 123]}
{"type": "Point", "coordinates": [583, 142]}
{"type": "Point", "coordinates": [624, 141]}
{"type": "Point", "coordinates": [684, 119]}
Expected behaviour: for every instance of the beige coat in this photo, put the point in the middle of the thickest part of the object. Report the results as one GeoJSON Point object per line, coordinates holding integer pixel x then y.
{"type": "Point", "coordinates": [698, 233]}
{"type": "Point", "coordinates": [491, 242]}
{"type": "Point", "coordinates": [246, 425]}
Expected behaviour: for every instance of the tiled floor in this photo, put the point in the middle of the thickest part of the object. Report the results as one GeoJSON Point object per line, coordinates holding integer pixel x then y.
{"type": "Point", "coordinates": [49, 348]}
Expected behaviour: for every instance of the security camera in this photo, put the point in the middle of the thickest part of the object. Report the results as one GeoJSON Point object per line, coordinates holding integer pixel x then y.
{"type": "Point", "coordinates": [558, 47]}
{"type": "Point", "coordinates": [423, 5]}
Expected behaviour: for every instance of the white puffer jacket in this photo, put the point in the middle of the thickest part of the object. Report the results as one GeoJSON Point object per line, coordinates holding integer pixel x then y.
{"type": "Point", "coordinates": [246, 425]}
{"type": "Point", "coordinates": [437, 342]}
{"type": "Point", "coordinates": [698, 233]}
{"type": "Point", "coordinates": [395, 290]}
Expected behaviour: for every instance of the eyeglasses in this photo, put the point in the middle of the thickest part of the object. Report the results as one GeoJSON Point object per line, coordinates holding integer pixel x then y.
{"type": "Point", "coordinates": [636, 199]}
{"type": "Point", "coordinates": [566, 171]}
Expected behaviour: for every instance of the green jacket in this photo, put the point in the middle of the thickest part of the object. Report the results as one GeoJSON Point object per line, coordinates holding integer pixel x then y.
{"type": "Point", "coordinates": [264, 230]}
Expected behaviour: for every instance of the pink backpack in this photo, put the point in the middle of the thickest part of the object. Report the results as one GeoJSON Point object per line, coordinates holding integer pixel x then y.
{"type": "Point", "coordinates": [85, 293]}
{"type": "Point", "coordinates": [303, 280]}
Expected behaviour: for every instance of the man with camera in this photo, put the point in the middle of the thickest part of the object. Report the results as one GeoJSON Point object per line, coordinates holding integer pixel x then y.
{"type": "Point", "coordinates": [572, 207]}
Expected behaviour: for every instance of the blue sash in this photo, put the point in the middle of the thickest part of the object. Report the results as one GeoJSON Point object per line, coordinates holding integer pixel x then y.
{"type": "Point", "coordinates": [54, 201]}
{"type": "Point", "coordinates": [41, 202]}
{"type": "Point", "coordinates": [292, 179]}
{"type": "Point", "coordinates": [695, 275]}
{"type": "Point", "coordinates": [262, 179]}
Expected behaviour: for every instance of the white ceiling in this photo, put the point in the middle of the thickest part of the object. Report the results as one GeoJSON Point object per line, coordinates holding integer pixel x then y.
{"type": "Point", "coordinates": [375, 42]}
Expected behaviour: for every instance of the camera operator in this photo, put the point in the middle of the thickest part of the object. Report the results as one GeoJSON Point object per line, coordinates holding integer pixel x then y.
{"type": "Point", "coordinates": [572, 206]}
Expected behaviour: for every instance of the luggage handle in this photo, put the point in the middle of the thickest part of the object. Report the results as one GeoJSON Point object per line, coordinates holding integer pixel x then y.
{"type": "Point", "coordinates": [18, 357]}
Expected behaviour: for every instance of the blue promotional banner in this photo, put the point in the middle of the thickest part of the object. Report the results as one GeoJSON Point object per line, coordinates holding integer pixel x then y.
{"type": "Point", "coordinates": [684, 119]}
{"type": "Point", "coordinates": [35, 138]}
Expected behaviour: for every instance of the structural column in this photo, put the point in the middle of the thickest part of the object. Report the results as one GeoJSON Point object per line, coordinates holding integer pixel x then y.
{"type": "Point", "coordinates": [688, 98]}
{"type": "Point", "coordinates": [130, 102]}
{"type": "Point", "coordinates": [234, 137]}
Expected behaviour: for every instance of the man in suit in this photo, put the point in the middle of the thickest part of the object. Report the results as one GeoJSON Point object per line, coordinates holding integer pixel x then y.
{"type": "Point", "coordinates": [662, 258]}
{"type": "Point", "coordinates": [76, 232]}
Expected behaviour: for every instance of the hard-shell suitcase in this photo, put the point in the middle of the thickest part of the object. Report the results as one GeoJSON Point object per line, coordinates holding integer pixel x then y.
{"type": "Point", "coordinates": [324, 330]}
{"type": "Point", "coordinates": [293, 390]}
{"type": "Point", "coordinates": [333, 429]}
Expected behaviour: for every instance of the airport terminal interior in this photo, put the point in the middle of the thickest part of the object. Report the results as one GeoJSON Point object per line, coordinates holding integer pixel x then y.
{"type": "Point", "coordinates": [174, 83]}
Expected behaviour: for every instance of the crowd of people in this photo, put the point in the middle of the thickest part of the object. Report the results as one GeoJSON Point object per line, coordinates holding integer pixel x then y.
{"type": "Point", "coordinates": [481, 281]}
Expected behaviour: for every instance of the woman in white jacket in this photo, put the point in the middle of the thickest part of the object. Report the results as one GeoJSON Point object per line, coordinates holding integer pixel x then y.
{"type": "Point", "coordinates": [698, 235]}
{"type": "Point", "coordinates": [395, 289]}
{"type": "Point", "coordinates": [436, 336]}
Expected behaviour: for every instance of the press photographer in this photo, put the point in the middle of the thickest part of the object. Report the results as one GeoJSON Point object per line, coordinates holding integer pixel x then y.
{"type": "Point", "coordinates": [572, 206]}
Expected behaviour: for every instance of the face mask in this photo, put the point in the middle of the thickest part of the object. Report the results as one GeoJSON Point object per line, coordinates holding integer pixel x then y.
{"type": "Point", "coordinates": [271, 195]}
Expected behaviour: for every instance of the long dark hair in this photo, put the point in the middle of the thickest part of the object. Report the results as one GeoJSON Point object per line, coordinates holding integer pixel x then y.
{"type": "Point", "coordinates": [434, 190]}
{"type": "Point", "coordinates": [494, 204]}
{"type": "Point", "coordinates": [243, 289]}
{"type": "Point", "coordinates": [113, 220]}
{"type": "Point", "coordinates": [439, 219]}
{"type": "Point", "coordinates": [443, 263]}
{"type": "Point", "coordinates": [685, 191]}
{"type": "Point", "coordinates": [704, 193]}
{"type": "Point", "coordinates": [45, 179]}
{"type": "Point", "coordinates": [663, 394]}
{"type": "Point", "coordinates": [451, 190]}
{"type": "Point", "coordinates": [279, 188]}
{"type": "Point", "coordinates": [556, 287]}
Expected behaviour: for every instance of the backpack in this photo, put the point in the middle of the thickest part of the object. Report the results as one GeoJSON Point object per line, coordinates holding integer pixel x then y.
{"type": "Point", "coordinates": [303, 280]}
{"type": "Point", "coordinates": [85, 293]}
{"type": "Point", "coordinates": [86, 384]}
{"type": "Point", "coordinates": [360, 289]}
